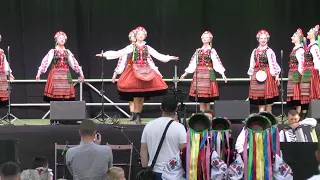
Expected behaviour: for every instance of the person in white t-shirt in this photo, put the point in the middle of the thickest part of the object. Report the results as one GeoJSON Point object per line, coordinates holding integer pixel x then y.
{"type": "Point", "coordinates": [175, 140]}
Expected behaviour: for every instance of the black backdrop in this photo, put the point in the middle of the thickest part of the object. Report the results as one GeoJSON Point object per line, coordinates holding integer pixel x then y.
{"type": "Point", "coordinates": [174, 27]}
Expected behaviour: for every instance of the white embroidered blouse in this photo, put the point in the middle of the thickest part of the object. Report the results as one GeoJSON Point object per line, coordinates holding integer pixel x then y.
{"type": "Point", "coordinates": [72, 62]}
{"type": "Point", "coordinates": [272, 62]}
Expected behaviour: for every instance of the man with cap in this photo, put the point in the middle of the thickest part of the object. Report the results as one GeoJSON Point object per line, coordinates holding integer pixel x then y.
{"type": "Point", "coordinates": [174, 141]}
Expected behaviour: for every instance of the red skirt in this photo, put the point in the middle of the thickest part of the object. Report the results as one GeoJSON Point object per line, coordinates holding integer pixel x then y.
{"type": "Point", "coordinates": [293, 90]}
{"type": "Point", "coordinates": [310, 90]}
{"type": "Point", "coordinates": [4, 93]}
{"type": "Point", "coordinates": [207, 89]}
{"type": "Point", "coordinates": [263, 93]}
{"type": "Point", "coordinates": [129, 86]}
{"type": "Point", "coordinates": [58, 87]}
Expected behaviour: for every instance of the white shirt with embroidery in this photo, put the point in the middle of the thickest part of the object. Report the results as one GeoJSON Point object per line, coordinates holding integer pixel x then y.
{"type": "Point", "coordinates": [316, 55]}
{"type": "Point", "coordinates": [272, 62]}
{"type": "Point", "coordinates": [129, 49]}
{"type": "Point", "coordinates": [216, 62]}
{"type": "Point", "coordinates": [300, 57]}
{"type": "Point", "coordinates": [6, 64]}
{"type": "Point", "coordinates": [72, 62]}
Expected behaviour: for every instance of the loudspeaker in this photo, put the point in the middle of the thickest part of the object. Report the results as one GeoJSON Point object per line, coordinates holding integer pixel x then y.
{"type": "Point", "coordinates": [67, 111]}
{"type": "Point", "coordinates": [314, 109]}
{"type": "Point", "coordinates": [9, 151]}
{"type": "Point", "coordinates": [234, 110]}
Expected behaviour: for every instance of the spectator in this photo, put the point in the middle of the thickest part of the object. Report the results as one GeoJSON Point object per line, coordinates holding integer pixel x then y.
{"type": "Point", "coordinates": [10, 171]}
{"type": "Point", "coordinates": [42, 166]}
{"type": "Point", "coordinates": [116, 173]}
{"type": "Point", "coordinates": [174, 141]}
{"type": "Point", "coordinates": [30, 174]}
{"type": "Point", "coordinates": [89, 160]}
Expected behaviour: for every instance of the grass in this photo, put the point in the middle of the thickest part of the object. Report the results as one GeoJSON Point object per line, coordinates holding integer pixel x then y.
{"type": "Point", "coordinates": [121, 121]}
{"type": "Point", "coordinates": [47, 121]}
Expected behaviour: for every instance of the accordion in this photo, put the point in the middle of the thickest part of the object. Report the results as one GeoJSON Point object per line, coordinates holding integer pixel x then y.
{"type": "Point", "coordinates": [306, 134]}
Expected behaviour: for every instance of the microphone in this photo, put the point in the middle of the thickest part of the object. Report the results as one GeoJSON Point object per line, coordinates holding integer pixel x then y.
{"type": "Point", "coordinates": [118, 127]}
{"type": "Point", "coordinates": [8, 48]}
{"type": "Point", "coordinates": [281, 54]}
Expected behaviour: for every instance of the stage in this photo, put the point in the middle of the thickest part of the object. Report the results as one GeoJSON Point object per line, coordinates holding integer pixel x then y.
{"type": "Point", "coordinates": [38, 140]}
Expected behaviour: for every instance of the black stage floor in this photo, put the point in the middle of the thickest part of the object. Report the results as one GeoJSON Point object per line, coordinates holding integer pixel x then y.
{"type": "Point", "coordinates": [39, 141]}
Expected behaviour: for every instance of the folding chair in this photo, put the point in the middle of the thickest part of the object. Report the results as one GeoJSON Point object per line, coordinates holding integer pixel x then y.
{"type": "Point", "coordinates": [128, 147]}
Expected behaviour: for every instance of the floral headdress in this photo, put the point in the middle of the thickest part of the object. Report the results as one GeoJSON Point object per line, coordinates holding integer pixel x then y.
{"type": "Point", "coordinates": [60, 33]}
{"type": "Point", "coordinates": [131, 34]}
{"type": "Point", "coordinates": [210, 35]}
{"type": "Point", "coordinates": [302, 39]}
{"type": "Point", "coordinates": [261, 32]}
{"type": "Point", "coordinates": [140, 28]}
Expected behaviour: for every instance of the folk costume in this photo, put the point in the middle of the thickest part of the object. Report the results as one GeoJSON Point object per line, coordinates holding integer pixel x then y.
{"type": "Point", "coordinates": [261, 161]}
{"type": "Point", "coordinates": [310, 86]}
{"type": "Point", "coordinates": [204, 63]}
{"type": "Point", "coordinates": [4, 72]}
{"type": "Point", "coordinates": [59, 86]}
{"type": "Point", "coordinates": [122, 63]}
{"type": "Point", "coordinates": [141, 78]}
{"type": "Point", "coordinates": [295, 70]}
{"type": "Point", "coordinates": [263, 69]}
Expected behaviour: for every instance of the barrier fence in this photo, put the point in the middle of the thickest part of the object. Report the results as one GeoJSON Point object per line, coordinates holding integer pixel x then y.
{"type": "Point", "coordinates": [109, 101]}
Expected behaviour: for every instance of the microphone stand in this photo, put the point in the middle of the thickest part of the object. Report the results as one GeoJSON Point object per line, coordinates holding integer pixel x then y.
{"type": "Point", "coordinates": [102, 113]}
{"type": "Point", "coordinates": [182, 110]}
{"type": "Point", "coordinates": [281, 87]}
{"type": "Point", "coordinates": [196, 75]}
{"type": "Point", "coordinates": [7, 118]}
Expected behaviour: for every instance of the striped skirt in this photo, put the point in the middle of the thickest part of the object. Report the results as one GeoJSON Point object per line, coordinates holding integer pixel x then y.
{"type": "Point", "coordinates": [129, 86]}
{"type": "Point", "coordinates": [310, 90]}
{"type": "Point", "coordinates": [293, 90]}
{"type": "Point", "coordinates": [263, 93]}
{"type": "Point", "coordinates": [4, 93]}
{"type": "Point", "coordinates": [58, 87]}
{"type": "Point", "coordinates": [207, 89]}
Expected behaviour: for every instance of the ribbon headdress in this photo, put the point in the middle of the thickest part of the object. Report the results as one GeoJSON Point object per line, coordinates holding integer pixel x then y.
{"type": "Point", "coordinates": [221, 128]}
{"type": "Point", "coordinates": [274, 132]}
{"type": "Point", "coordinates": [198, 148]}
{"type": "Point", "coordinates": [257, 158]}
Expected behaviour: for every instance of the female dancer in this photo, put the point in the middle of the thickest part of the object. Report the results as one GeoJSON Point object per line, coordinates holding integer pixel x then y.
{"type": "Point", "coordinates": [264, 74]}
{"type": "Point", "coordinates": [310, 86]}
{"type": "Point", "coordinates": [141, 77]}
{"type": "Point", "coordinates": [120, 68]}
{"type": "Point", "coordinates": [59, 86]}
{"type": "Point", "coordinates": [5, 70]}
{"type": "Point", "coordinates": [295, 70]}
{"type": "Point", "coordinates": [204, 61]}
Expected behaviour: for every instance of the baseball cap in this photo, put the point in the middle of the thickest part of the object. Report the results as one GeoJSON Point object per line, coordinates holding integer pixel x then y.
{"type": "Point", "coordinates": [169, 103]}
